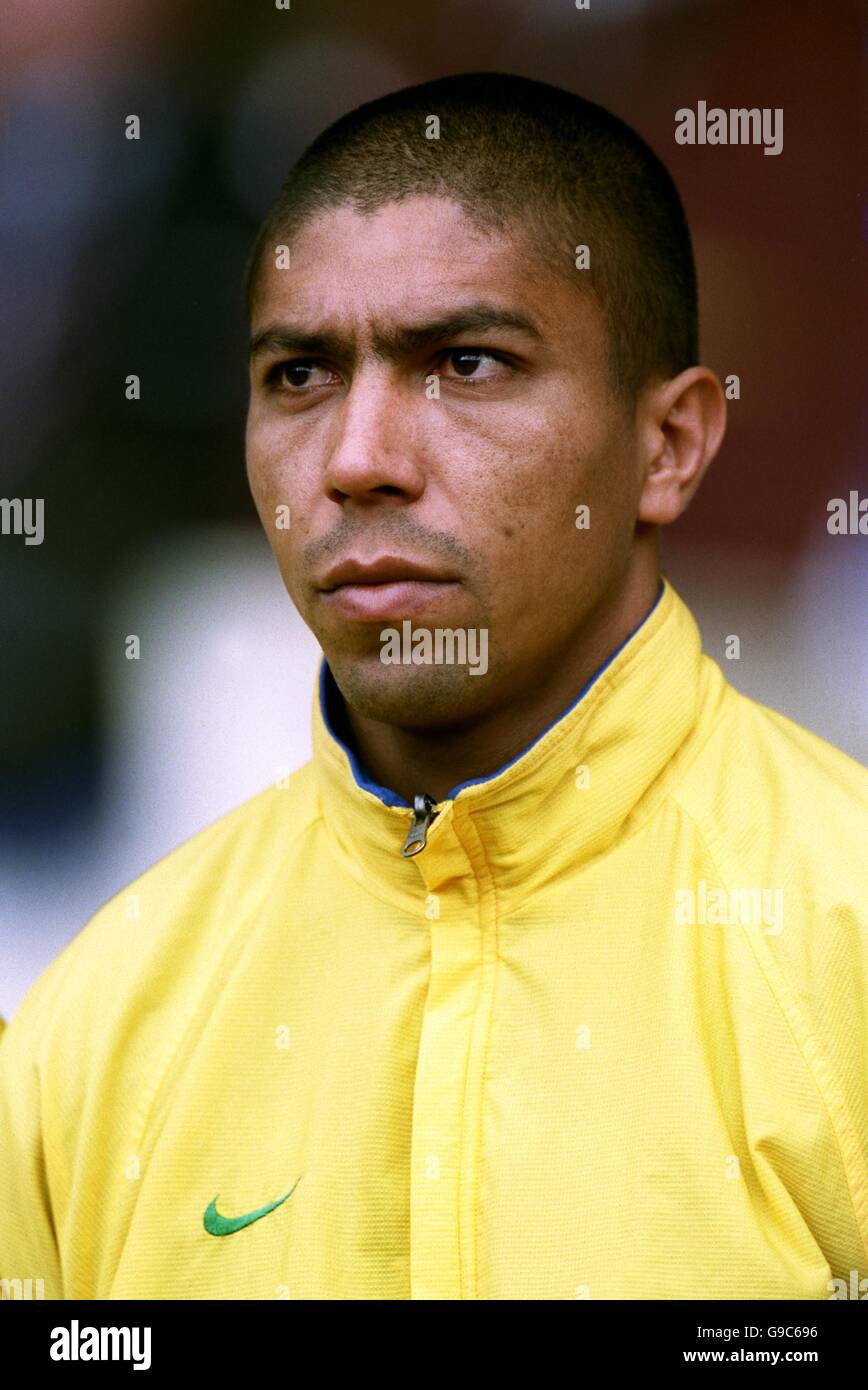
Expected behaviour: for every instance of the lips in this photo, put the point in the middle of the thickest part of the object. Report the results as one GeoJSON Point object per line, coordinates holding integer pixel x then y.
{"type": "Point", "coordinates": [385, 569]}
{"type": "Point", "coordinates": [384, 588]}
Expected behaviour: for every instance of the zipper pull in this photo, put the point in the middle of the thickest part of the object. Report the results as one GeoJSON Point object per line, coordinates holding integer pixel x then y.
{"type": "Point", "coordinates": [417, 836]}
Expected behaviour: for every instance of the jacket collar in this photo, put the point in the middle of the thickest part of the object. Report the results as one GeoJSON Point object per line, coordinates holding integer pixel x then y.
{"type": "Point", "coordinates": [511, 832]}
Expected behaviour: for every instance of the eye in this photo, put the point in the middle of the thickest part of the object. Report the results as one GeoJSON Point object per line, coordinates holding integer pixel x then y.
{"type": "Point", "coordinates": [300, 374]}
{"type": "Point", "coordinates": [465, 362]}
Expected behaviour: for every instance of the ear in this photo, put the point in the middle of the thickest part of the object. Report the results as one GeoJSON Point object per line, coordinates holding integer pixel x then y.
{"type": "Point", "coordinates": [680, 425]}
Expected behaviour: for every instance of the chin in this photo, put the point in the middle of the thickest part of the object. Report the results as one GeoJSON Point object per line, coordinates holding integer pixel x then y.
{"type": "Point", "coordinates": [422, 697]}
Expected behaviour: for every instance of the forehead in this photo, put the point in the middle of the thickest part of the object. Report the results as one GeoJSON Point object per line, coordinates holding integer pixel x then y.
{"type": "Point", "coordinates": [409, 259]}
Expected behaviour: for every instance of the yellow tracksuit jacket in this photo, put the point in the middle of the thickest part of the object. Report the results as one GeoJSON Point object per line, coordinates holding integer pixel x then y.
{"type": "Point", "coordinates": [604, 1036]}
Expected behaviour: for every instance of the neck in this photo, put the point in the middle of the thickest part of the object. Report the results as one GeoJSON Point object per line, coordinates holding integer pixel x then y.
{"type": "Point", "coordinates": [410, 761]}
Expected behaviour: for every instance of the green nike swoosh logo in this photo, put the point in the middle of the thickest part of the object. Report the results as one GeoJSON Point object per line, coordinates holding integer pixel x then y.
{"type": "Point", "coordinates": [217, 1225]}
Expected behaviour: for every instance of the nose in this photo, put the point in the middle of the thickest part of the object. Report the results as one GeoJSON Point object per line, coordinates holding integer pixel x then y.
{"type": "Point", "coordinates": [374, 453]}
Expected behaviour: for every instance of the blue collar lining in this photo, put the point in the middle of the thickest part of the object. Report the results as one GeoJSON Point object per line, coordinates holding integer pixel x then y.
{"type": "Point", "coordinates": [329, 695]}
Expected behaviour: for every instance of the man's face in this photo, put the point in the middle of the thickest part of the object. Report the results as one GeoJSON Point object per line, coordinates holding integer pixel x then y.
{"type": "Point", "coordinates": [477, 488]}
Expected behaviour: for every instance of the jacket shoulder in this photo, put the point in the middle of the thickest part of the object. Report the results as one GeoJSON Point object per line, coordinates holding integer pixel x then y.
{"type": "Point", "coordinates": [764, 788]}
{"type": "Point", "coordinates": [182, 908]}
{"type": "Point", "coordinates": [784, 815]}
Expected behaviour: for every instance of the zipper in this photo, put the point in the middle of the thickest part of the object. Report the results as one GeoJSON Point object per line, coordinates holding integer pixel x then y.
{"type": "Point", "coordinates": [424, 812]}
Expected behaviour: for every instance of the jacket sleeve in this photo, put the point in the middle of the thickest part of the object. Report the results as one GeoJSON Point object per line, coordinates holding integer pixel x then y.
{"type": "Point", "coordinates": [818, 969]}
{"type": "Point", "coordinates": [30, 1165]}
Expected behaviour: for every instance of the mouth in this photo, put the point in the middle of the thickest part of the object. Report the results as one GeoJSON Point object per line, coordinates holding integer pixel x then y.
{"type": "Point", "coordinates": [386, 601]}
{"type": "Point", "coordinates": [385, 588]}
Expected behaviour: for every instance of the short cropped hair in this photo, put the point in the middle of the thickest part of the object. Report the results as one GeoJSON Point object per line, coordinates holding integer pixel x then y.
{"type": "Point", "coordinates": [521, 157]}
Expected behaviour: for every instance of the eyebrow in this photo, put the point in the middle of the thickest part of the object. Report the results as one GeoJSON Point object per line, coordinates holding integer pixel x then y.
{"type": "Point", "coordinates": [394, 343]}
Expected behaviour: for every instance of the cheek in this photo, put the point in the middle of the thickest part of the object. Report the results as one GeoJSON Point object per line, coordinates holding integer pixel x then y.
{"type": "Point", "coordinates": [259, 468]}
{"type": "Point", "coordinates": [281, 508]}
{"type": "Point", "coordinates": [522, 486]}
{"type": "Point", "coordinates": [275, 480]}
{"type": "Point", "coordinates": [545, 556]}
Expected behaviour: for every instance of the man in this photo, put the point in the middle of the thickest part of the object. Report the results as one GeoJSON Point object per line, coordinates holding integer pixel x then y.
{"type": "Point", "coordinates": [545, 978]}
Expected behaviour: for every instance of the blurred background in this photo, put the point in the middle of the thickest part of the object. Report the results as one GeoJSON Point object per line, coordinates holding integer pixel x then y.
{"type": "Point", "coordinates": [123, 256]}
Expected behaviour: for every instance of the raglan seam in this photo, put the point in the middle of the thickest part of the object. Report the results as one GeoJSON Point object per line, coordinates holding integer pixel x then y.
{"type": "Point", "coordinates": [143, 1142]}
{"type": "Point", "coordinates": [236, 934]}
{"type": "Point", "coordinates": [661, 799]}
{"type": "Point", "coordinates": [36, 1060]}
